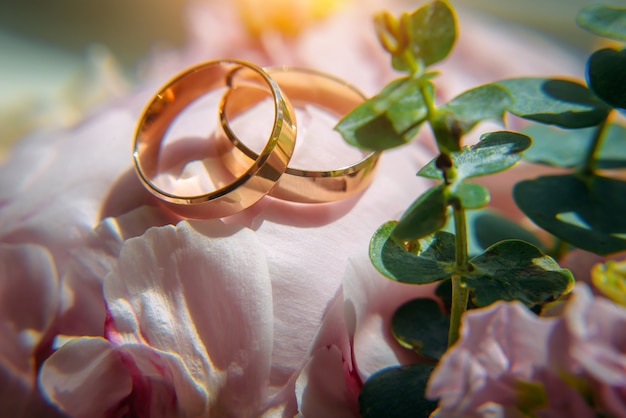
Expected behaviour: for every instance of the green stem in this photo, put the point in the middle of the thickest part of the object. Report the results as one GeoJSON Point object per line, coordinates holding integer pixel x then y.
{"type": "Point", "coordinates": [429, 101]}
{"type": "Point", "coordinates": [414, 67]}
{"type": "Point", "coordinates": [589, 166]}
{"type": "Point", "coordinates": [460, 293]}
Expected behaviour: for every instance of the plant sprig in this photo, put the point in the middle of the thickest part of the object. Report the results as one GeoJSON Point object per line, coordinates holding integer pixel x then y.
{"type": "Point", "coordinates": [433, 241]}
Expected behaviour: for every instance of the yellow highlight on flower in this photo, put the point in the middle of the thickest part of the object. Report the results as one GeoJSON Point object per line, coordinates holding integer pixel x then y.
{"type": "Point", "coordinates": [610, 279]}
{"type": "Point", "coordinates": [285, 16]}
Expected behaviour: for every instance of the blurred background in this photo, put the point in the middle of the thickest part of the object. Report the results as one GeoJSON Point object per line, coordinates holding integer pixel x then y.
{"type": "Point", "coordinates": [47, 48]}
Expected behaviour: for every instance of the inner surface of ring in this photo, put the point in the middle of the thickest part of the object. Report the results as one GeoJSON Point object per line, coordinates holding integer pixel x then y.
{"type": "Point", "coordinates": [178, 141]}
{"type": "Point", "coordinates": [324, 168]}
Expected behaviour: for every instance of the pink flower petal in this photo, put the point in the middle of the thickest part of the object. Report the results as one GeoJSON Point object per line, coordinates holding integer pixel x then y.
{"type": "Point", "coordinates": [589, 343]}
{"type": "Point", "coordinates": [370, 302]}
{"type": "Point", "coordinates": [162, 385]}
{"type": "Point", "coordinates": [324, 388]}
{"type": "Point", "coordinates": [83, 310]}
{"type": "Point", "coordinates": [87, 378]}
{"type": "Point", "coordinates": [28, 304]}
{"type": "Point", "coordinates": [201, 291]}
{"type": "Point", "coordinates": [68, 174]}
{"type": "Point", "coordinates": [494, 351]}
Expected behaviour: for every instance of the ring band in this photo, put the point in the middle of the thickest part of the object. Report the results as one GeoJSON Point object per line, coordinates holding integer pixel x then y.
{"type": "Point", "coordinates": [303, 86]}
{"type": "Point", "coordinates": [262, 172]}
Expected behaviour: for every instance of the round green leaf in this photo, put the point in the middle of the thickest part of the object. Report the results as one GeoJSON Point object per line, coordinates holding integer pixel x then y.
{"type": "Point", "coordinates": [486, 227]}
{"type": "Point", "coordinates": [490, 228]}
{"type": "Point", "coordinates": [488, 102]}
{"type": "Point", "coordinates": [558, 147]}
{"type": "Point", "coordinates": [588, 213]}
{"type": "Point", "coordinates": [555, 102]}
{"type": "Point", "coordinates": [420, 325]}
{"type": "Point", "coordinates": [604, 20]}
{"type": "Point", "coordinates": [568, 148]}
{"type": "Point", "coordinates": [516, 270]}
{"type": "Point", "coordinates": [472, 195]}
{"type": "Point", "coordinates": [432, 261]}
{"type": "Point", "coordinates": [431, 32]}
{"type": "Point", "coordinates": [606, 76]}
{"type": "Point", "coordinates": [425, 216]}
{"type": "Point", "coordinates": [397, 392]}
{"type": "Point", "coordinates": [495, 152]}
{"type": "Point", "coordinates": [387, 120]}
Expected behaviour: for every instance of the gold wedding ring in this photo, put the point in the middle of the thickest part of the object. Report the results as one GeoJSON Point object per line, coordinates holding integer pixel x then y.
{"type": "Point", "coordinates": [302, 87]}
{"type": "Point", "coordinates": [253, 181]}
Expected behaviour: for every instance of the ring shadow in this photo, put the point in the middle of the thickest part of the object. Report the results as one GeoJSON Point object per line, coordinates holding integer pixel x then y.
{"type": "Point", "coordinates": [128, 192]}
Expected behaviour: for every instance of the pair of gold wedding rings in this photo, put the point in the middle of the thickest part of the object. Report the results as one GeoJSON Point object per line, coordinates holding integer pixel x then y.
{"type": "Point", "coordinates": [250, 175]}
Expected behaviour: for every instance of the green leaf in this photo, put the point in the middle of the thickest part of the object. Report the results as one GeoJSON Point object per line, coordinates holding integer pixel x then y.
{"type": "Point", "coordinates": [606, 76]}
{"type": "Point", "coordinates": [433, 260]}
{"type": "Point", "coordinates": [568, 148]}
{"type": "Point", "coordinates": [587, 213]}
{"type": "Point", "coordinates": [420, 325]}
{"type": "Point", "coordinates": [387, 120]}
{"type": "Point", "coordinates": [558, 147]}
{"type": "Point", "coordinates": [471, 195]}
{"type": "Point", "coordinates": [425, 216]}
{"type": "Point", "coordinates": [447, 131]}
{"type": "Point", "coordinates": [495, 152]}
{"type": "Point", "coordinates": [516, 270]}
{"type": "Point", "coordinates": [397, 392]}
{"type": "Point", "coordinates": [490, 228]}
{"type": "Point", "coordinates": [486, 227]}
{"type": "Point", "coordinates": [431, 32]}
{"type": "Point", "coordinates": [604, 20]}
{"type": "Point", "coordinates": [488, 102]}
{"type": "Point", "coordinates": [555, 102]}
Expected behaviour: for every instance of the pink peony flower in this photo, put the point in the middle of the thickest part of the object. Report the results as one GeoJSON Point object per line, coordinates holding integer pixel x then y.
{"type": "Point", "coordinates": [589, 345]}
{"type": "Point", "coordinates": [499, 368]}
{"type": "Point", "coordinates": [189, 330]}
{"type": "Point", "coordinates": [509, 361]}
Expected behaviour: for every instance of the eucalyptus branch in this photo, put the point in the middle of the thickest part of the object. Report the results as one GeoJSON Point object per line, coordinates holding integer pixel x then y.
{"type": "Point", "coordinates": [460, 293]}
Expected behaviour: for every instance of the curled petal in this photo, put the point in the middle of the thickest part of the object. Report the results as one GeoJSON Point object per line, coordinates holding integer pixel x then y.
{"type": "Point", "coordinates": [87, 378]}
{"type": "Point", "coordinates": [492, 356]}
{"type": "Point", "coordinates": [325, 388]}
